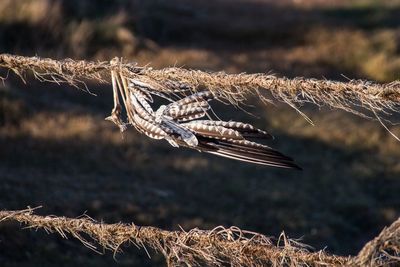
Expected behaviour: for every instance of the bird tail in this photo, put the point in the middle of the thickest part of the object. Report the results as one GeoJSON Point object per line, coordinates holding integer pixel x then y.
{"type": "Point", "coordinates": [246, 151]}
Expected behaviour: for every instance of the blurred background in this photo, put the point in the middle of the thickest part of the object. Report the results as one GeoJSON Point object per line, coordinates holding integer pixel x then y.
{"type": "Point", "coordinates": [57, 151]}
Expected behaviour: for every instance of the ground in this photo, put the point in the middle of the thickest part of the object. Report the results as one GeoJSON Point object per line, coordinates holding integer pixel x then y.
{"type": "Point", "coordinates": [58, 152]}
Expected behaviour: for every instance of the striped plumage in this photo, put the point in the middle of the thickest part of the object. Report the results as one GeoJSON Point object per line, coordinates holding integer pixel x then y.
{"type": "Point", "coordinates": [229, 141]}
{"type": "Point", "coordinates": [246, 130]}
{"type": "Point", "coordinates": [222, 138]}
{"type": "Point", "coordinates": [180, 124]}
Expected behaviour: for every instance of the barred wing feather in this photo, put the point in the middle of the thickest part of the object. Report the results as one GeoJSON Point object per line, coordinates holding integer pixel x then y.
{"type": "Point", "coordinates": [191, 107]}
{"type": "Point", "coordinates": [140, 110]}
{"type": "Point", "coordinates": [187, 113]}
{"type": "Point", "coordinates": [217, 132]}
{"type": "Point", "coordinates": [195, 98]}
{"type": "Point", "coordinates": [245, 129]}
{"type": "Point", "coordinates": [152, 130]}
{"type": "Point", "coordinates": [183, 133]}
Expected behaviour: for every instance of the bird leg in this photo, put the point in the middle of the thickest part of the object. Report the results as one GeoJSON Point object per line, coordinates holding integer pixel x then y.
{"type": "Point", "coordinates": [115, 116]}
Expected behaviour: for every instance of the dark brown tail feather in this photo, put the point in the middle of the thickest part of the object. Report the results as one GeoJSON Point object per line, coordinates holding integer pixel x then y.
{"type": "Point", "coordinates": [253, 147]}
{"type": "Point", "coordinates": [262, 156]}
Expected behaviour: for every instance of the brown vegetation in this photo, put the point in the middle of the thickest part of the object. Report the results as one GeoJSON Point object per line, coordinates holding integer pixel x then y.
{"type": "Point", "coordinates": [216, 247]}
{"type": "Point", "coordinates": [234, 88]}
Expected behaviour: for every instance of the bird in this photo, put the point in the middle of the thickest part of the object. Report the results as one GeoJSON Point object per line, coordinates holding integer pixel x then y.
{"type": "Point", "coordinates": [186, 122]}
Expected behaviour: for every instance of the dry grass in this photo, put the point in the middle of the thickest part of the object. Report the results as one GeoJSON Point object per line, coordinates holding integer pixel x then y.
{"type": "Point", "coordinates": [215, 247]}
{"type": "Point", "coordinates": [385, 246]}
{"type": "Point", "coordinates": [359, 97]}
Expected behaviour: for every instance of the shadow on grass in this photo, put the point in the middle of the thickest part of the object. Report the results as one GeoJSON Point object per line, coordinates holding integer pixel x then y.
{"type": "Point", "coordinates": [221, 25]}
{"type": "Point", "coordinates": [341, 200]}
{"type": "Point", "coordinates": [330, 203]}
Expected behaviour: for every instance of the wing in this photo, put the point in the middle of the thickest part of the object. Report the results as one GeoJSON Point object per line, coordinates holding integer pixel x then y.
{"type": "Point", "coordinates": [145, 112]}
{"type": "Point", "coordinates": [182, 133]}
{"type": "Point", "coordinates": [187, 112]}
{"type": "Point", "coordinates": [226, 139]}
{"type": "Point", "coordinates": [195, 98]}
{"type": "Point", "coordinates": [150, 88]}
{"type": "Point", "coordinates": [150, 129]}
{"type": "Point", "coordinates": [139, 86]}
{"type": "Point", "coordinates": [245, 129]}
{"type": "Point", "coordinates": [212, 131]}
{"type": "Point", "coordinates": [141, 99]}
{"type": "Point", "coordinates": [189, 108]}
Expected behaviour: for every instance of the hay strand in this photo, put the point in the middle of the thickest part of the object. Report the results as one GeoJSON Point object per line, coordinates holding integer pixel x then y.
{"type": "Point", "coordinates": [216, 247]}
{"type": "Point", "coordinates": [382, 250]}
{"type": "Point", "coordinates": [360, 97]}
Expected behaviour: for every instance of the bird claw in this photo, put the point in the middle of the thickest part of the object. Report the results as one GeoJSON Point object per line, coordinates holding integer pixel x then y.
{"type": "Point", "coordinates": [115, 117]}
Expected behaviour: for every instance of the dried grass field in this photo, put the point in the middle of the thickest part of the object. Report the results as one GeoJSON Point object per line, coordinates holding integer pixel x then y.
{"type": "Point", "coordinates": [58, 152]}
